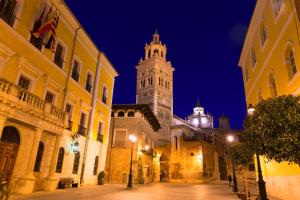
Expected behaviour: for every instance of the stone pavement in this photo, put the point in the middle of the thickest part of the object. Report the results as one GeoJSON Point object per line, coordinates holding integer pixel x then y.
{"type": "Point", "coordinates": [159, 191]}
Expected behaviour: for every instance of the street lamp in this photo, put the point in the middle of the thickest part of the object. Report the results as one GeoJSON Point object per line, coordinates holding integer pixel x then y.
{"type": "Point", "coordinates": [261, 183]}
{"type": "Point", "coordinates": [132, 139]}
{"type": "Point", "coordinates": [230, 139]}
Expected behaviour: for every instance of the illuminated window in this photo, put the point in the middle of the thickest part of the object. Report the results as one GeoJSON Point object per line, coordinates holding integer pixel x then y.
{"type": "Point", "coordinates": [272, 85]}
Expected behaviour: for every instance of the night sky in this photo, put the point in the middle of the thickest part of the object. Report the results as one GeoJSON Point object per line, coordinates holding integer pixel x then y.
{"type": "Point", "coordinates": [204, 41]}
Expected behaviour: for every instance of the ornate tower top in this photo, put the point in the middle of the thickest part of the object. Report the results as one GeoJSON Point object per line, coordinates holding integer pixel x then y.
{"type": "Point", "coordinates": [155, 49]}
{"type": "Point", "coordinates": [198, 110]}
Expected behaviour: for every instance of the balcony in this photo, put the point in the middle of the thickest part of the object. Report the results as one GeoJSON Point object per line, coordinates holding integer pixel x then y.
{"type": "Point", "coordinates": [100, 137]}
{"type": "Point", "coordinates": [24, 101]}
{"type": "Point", "coordinates": [81, 130]}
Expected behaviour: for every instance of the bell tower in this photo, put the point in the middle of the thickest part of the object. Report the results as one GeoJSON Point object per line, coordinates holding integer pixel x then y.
{"type": "Point", "coordinates": [155, 82]}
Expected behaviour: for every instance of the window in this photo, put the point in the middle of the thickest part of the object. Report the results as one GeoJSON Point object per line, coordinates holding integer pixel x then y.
{"type": "Point", "coordinates": [75, 71]}
{"type": "Point", "coordinates": [120, 139]}
{"type": "Point", "coordinates": [104, 95]}
{"type": "Point", "coordinates": [39, 157]}
{"type": "Point", "coordinates": [95, 165]}
{"type": "Point", "coordinates": [291, 63]}
{"type": "Point", "coordinates": [263, 34]}
{"type": "Point", "coordinates": [7, 8]}
{"type": "Point", "coordinates": [49, 97]}
{"type": "Point", "coordinates": [58, 57]}
{"type": "Point", "coordinates": [121, 114]}
{"type": "Point", "coordinates": [76, 163]}
{"type": "Point", "coordinates": [69, 109]}
{"type": "Point", "coordinates": [176, 143]}
{"type": "Point", "coordinates": [88, 83]}
{"type": "Point", "coordinates": [156, 53]}
{"type": "Point", "coordinates": [277, 5]}
{"type": "Point", "coordinates": [272, 86]}
{"type": "Point", "coordinates": [131, 114]}
{"type": "Point", "coordinates": [24, 82]}
{"type": "Point", "coordinates": [100, 132]}
{"type": "Point", "coordinates": [81, 127]}
{"type": "Point", "coordinates": [60, 160]}
{"type": "Point", "coordinates": [253, 57]}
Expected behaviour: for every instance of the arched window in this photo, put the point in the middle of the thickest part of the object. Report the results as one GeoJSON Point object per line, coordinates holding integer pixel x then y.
{"type": "Point", "coordinates": [39, 157]}
{"type": "Point", "coordinates": [121, 114]}
{"type": "Point", "coordinates": [263, 34]}
{"type": "Point", "coordinates": [7, 8]}
{"type": "Point", "coordinates": [60, 160]}
{"type": "Point", "coordinates": [291, 63]}
{"type": "Point", "coordinates": [76, 163]}
{"type": "Point", "coordinates": [96, 165]}
{"type": "Point", "coordinates": [162, 54]}
{"type": "Point", "coordinates": [131, 114]}
{"type": "Point", "coordinates": [156, 53]}
{"type": "Point", "coordinates": [149, 54]}
{"type": "Point", "coordinates": [253, 57]}
{"type": "Point", "coordinates": [272, 85]}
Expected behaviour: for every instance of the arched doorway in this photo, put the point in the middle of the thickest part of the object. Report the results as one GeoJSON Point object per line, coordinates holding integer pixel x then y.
{"type": "Point", "coordinates": [9, 145]}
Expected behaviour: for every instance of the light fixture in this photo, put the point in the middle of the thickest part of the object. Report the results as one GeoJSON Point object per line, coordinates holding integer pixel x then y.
{"type": "Point", "coordinates": [132, 138]}
{"type": "Point", "coordinates": [250, 109]}
{"type": "Point", "coordinates": [200, 156]}
{"type": "Point", "coordinates": [76, 147]}
{"type": "Point", "coordinates": [147, 147]}
{"type": "Point", "coordinates": [230, 138]}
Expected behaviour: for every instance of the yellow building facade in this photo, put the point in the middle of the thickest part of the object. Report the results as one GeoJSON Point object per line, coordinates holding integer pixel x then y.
{"type": "Point", "coordinates": [56, 90]}
{"type": "Point", "coordinates": [270, 63]}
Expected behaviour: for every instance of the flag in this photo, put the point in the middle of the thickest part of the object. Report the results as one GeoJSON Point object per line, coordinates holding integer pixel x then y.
{"type": "Point", "coordinates": [39, 22]}
{"type": "Point", "coordinates": [46, 25]}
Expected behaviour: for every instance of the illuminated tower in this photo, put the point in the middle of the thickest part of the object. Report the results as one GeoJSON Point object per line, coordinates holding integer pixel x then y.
{"type": "Point", "coordinates": [155, 82]}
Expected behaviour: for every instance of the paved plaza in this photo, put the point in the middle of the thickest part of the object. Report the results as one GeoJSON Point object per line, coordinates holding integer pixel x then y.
{"type": "Point", "coordinates": [212, 191]}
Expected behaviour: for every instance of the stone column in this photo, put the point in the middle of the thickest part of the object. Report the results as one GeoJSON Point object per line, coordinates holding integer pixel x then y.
{"type": "Point", "coordinates": [156, 169]}
{"type": "Point", "coordinates": [25, 184]}
{"type": "Point", "coordinates": [51, 181]}
{"type": "Point", "coordinates": [2, 124]}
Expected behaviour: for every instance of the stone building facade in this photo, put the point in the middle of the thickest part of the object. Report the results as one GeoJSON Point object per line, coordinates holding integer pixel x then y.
{"type": "Point", "coordinates": [55, 100]}
{"type": "Point", "coordinates": [270, 62]}
{"type": "Point", "coordinates": [139, 120]}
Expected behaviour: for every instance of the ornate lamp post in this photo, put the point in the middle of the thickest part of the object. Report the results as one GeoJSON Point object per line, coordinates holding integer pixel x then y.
{"type": "Point", "coordinates": [132, 139]}
{"type": "Point", "coordinates": [261, 183]}
{"type": "Point", "coordinates": [230, 139]}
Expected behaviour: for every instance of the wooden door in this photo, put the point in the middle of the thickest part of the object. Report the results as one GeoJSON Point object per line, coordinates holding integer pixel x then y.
{"type": "Point", "coordinates": [8, 154]}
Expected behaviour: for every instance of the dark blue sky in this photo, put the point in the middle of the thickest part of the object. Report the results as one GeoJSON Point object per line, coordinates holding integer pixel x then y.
{"type": "Point", "coordinates": [204, 41]}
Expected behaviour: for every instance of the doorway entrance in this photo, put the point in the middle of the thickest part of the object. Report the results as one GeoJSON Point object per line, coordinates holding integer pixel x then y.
{"type": "Point", "coordinates": [9, 145]}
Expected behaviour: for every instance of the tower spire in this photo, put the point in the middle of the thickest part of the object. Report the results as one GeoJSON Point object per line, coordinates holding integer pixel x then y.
{"type": "Point", "coordinates": [198, 105]}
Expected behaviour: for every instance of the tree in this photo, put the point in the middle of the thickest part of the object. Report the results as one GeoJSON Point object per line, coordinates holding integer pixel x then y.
{"type": "Point", "coordinates": [273, 130]}
{"type": "Point", "coordinates": [241, 154]}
